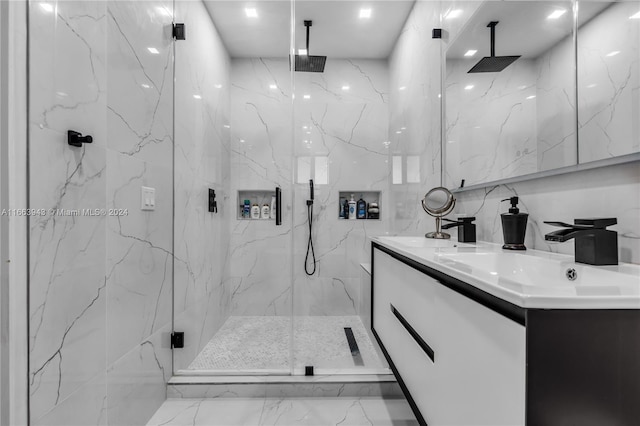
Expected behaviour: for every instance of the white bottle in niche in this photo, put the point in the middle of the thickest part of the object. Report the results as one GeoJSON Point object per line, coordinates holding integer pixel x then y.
{"type": "Point", "coordinates": [352, 208]}
{"type": "Point", "coordinates": [265, 211]}
{"type": "Point", "coordinates": [255, 212]}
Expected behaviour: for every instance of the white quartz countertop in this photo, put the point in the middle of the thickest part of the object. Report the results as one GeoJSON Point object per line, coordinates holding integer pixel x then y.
{"type": "Point", "coordinates": [529, 279]}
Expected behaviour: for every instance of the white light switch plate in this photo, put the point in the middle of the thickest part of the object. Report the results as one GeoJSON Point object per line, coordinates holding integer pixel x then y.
{"type": "Point", "coordinates": [147, 198]}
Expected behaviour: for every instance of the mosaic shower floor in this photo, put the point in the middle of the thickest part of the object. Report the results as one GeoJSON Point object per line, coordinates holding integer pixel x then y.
{"type": "Point", "coordinates": [262, 342]}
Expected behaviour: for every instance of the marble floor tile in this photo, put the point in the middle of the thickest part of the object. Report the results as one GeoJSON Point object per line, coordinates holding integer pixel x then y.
{"type": "Point", "coordinates": [284, 412]}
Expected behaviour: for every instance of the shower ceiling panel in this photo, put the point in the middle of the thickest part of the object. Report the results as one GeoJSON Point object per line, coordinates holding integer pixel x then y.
{"type": "Point", "coordinates": [334, 22]}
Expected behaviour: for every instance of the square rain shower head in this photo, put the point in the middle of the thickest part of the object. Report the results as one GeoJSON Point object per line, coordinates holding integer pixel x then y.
{"type": "Point", "coordinates": [493, 64]}
{"type": "Point", "coordinates": [308, 63]}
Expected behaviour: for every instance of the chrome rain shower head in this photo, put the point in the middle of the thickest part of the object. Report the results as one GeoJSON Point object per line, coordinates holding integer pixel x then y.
{"type": "Point", "coordinates": [308, 63]}
{"type": "Point", "coordinates": [493, 63]}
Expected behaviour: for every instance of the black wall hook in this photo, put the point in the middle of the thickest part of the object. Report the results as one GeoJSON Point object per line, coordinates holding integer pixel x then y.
{"type": "Point", "coordinates": [76, 139]}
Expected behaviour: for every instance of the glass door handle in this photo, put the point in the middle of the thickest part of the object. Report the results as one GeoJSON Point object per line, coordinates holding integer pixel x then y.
{"type": "Point", "coordinates": [278, 206]}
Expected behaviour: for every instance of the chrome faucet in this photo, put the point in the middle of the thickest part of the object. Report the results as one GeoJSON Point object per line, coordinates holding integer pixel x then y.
{"type": "Point", "coordinates": [594, 244]}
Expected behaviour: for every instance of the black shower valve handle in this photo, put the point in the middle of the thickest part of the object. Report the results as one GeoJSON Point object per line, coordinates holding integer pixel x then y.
{"type": "Point", "coordinates": [76, 139]}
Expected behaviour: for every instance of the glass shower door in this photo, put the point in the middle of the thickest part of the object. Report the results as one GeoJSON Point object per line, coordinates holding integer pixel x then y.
{"type": "Point", "coordinates": [341, 116]}
{"type": "Point", "coordinates": [233, 109]}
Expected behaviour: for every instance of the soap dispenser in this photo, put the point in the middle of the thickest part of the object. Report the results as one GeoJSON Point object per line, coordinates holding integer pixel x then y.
{"type": "Point", "coordinates": [514, 226]}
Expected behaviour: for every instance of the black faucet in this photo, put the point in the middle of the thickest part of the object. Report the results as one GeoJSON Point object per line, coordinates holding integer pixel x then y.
{"type": "Point", "coordinates": [467, 230]}
{"type": "Point", "coordinates": [594, 244]}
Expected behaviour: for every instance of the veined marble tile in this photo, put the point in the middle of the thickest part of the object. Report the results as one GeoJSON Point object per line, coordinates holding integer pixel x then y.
{"type": "Point", "coordinates": [294, 411]}
{"type": "Point", "coordinates": [86, 406]}
{"type": "Point", "coordinates": [67, 251]}
{"type": "Point", "coordinates": [140, 79]}
{"type": "Point", "coordinates": [137, 381]}
{"type": "Point", "coordinates": [609, 83]}
{"type": "Point", "coordinates": [139, 258]}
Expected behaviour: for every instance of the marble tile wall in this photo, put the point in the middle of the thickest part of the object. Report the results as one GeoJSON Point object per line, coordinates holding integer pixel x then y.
{"type": "Point", "coordinates": [202, 161]}
{"type": "Point", "coordinates": [257, 275]}
{"type": "Point", "coordinates": [491, 130]}
{"type": "Point", "coordinates": [100, 286]}
{"type": "Point", "coordinates": [346, 128]}
{"type": "Point", "coordinates": [414, 126]}
{"type": "Point", "coordinates": [609, 83]}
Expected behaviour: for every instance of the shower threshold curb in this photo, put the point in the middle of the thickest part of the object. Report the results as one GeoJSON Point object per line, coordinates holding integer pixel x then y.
{"type": "Point", "coordinates": [339, 385]}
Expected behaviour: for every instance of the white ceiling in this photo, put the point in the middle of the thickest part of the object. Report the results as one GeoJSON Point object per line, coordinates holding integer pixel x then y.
{"type": "Point", "coordinates": [337, 30]}
{"type": "Point", "coordinates": [523, 27]}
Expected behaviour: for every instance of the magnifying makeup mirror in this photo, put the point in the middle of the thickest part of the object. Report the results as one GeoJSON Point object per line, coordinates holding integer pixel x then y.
{"type": "Point", "coordinates": [438, 203]}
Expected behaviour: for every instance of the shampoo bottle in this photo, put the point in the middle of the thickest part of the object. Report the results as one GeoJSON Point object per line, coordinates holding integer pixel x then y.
{"type": "Point", "coordinates": [345, 209]}
{"type": "Point", "coordinates": [246, 209]}
{"type": "Point", "coordinates": [352, 208]}
{"type": "Point", "coordinates": [265, 211]}
{"type": "Point", "coordinates": [361, 208]}
{"type": "Point", "coordinates": [255, 212]}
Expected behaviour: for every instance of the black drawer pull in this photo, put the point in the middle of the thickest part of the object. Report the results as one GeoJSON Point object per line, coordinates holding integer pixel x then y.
{"type": "Point", "coordinates": [419, 340]}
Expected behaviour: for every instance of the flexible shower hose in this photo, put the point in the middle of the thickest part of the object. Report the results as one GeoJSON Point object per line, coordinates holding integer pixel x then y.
{"type": "Point", "coordinates": [310, 243]}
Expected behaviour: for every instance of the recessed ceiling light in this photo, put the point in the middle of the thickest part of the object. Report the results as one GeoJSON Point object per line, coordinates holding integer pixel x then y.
{"type": "Point", "coordinates": [470, 52]}
{"type": "Point", "coordinates": [197, 97]}
{"type": "Point", "coordinates": [345, 87]}
{"type": "Point", "coordinates": [614, 53]}
{"type": "Point", "coordinates": [251, 12]}
{"type": "Point", "coordinates": [146, 86]}
{"type": "Point", "coordinates": [530, 97]}
{"type": "Point", "coordinates": [453, 14]}
{"type": "Point", "coordinates": [636, 16]}
{"type": "Point", "coordinates": [226, 126]}
{"type": "Point", "coordinates": [403, 128]}
{"type": "Point", "coordinates": [302, 52]}
{"type": "Point", "coordinates": [557, 13]}
{"type": "Point", "coordinates": [591, 86]}
{"type": "Point", "coordinates": [46, 7]}
{"type": "Point", "coordinates": [241, 140]}
{"type": "Point", "coordinates": [402, 88]}
{"type": "Point", "coordinates": [365, 13]}
{"type": "Point", "coordinates": [273, 86]}
{"type": "Point", "coordinates": [469, 87]}
{"type": "Point", "coordinates": [304, 127]}
{"type": "Point", "coordinates": [398, 131]}
{"type": "Point", "coordinates": [218, 86]}
{"type": "Point", "coordinates": [153, 50]}
{"type": "Point", "coordinates": [307, 96]}
{"type": "Point", "coordinates": [308, 133]}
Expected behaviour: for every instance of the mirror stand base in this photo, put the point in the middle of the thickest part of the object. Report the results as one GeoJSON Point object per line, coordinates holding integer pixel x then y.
{"type": "Point", "coordinates": [438, 235]}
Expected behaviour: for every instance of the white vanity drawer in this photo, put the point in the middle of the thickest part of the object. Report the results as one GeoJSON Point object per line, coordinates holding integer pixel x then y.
{"type": "Point", "coordinates": [462, 363]}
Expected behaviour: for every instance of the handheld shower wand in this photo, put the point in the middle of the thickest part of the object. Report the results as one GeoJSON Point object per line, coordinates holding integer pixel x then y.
{"type": "Point", "coordinates": [310, 270]}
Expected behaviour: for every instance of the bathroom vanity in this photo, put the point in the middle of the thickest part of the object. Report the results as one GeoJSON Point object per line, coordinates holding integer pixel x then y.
{"type": "Point", "coordinates": [479, 336]}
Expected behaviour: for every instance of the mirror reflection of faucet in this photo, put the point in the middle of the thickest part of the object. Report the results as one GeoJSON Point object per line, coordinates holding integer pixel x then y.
{"type": "Point", "coordinates": [594, 244]}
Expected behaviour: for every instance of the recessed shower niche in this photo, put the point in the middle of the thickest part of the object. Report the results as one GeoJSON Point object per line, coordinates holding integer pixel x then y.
{"type": "Point", "coordinates": [372, 207]}
{"type": "Point", "coordinates": [249, 199]}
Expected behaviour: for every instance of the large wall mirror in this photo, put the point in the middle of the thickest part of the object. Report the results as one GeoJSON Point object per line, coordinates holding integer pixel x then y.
{"type": "Point", "coordinates": [517, 116]}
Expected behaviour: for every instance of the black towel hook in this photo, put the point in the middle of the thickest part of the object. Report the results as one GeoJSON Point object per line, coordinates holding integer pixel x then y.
{"type": "Point", "coordinates": [76, 139]}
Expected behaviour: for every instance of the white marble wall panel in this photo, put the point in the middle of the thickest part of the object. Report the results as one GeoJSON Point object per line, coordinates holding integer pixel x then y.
{"type": "Point", "coordinates": [137, 381]}
{"type": "Point", "coordinates": [609, 83]}
{"type": "Point", "coordinates": [67, 287]}
{"type": "Point", "coordinates": [415, 112]}
{"type": "Point", "coordinates": [345, 120]}
{"type": "Point", "coordinates": [139, 259]}
{"type": "Point", "coordinates": [100, 285]}
{"type": "Point", "coordinates": [257, 275]}
{"type": "Point", "coordinates": [491, 122]}
{"type": "Point", "coordinates": [606, 192]}
{"type": "Point", "coordinates": [201, 238]}
{"type": "Point", "coordinates": [555, 107]}
{"type": "Point", "coordinates": [141, 80]}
